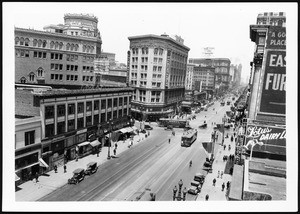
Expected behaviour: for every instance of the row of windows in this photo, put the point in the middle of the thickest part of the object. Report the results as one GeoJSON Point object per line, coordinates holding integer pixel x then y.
{"type": "Point", "coordinates": [57, 56]}
{"type": "Point", "coordinates": [56, 76]}
{"type": "Point", "coordinates": [39, 54]}
{"type": "Point", "coordinates": [61, 126]}
{"type": "Point", "coordinates": [87, 68]}
{"type": "Point", "coordinates": [72, 67]}
{"type": "Point", "coordinates": [87, 78]}
{"type": "Point", "coordinates": [72, 57]}
{"type": "Point", "coordinates": [72, 77]}
{"type": "Point", "coordinates": [88, 59]}
{"type": "Point", "coordinates": [22, 53]}
{"type": "Point", "coordinates": [56, 66]}
{"type": "Point", "coordinates": [61, 109]}
{"type": "Point", "coordinates": [53, 45]}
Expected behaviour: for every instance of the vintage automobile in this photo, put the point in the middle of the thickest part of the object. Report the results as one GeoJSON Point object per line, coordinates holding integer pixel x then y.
{"type": "Point", "coordinates": [193, 190]}
{"type": "Point", "coordinates": [169, 127]}
{"type": "Point", "coordinates": [147, 127]}
{"type": "Point", "coordinates": [91, 168]}
{"type": "Point", "coordinates": [78, 175]}
{"type": "Point", "coordinates": [199, 177]}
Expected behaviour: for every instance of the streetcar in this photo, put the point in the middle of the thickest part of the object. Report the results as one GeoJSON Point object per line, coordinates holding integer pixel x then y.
{"type": "Point", "coordinates": [175, 123]}
{"type": "Point", "coordinates": [189, 137]}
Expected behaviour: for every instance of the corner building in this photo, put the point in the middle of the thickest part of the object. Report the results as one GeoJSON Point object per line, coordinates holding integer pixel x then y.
{"type": "Point", "coordinates": [61, 55]}
{"type": "Point", "coordinates": [157, 72]}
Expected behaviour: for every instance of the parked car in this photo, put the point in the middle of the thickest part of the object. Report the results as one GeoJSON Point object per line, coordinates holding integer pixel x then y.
{"type": "Point", "coordinates": [147, 127]}
{"type": "Point", "coordinates": [203, 126]}
{"type": "Point", "coordinates": [169, 127]}
{"type": "Point", "coordinates": [78, 175]}
{"type": "Point", "coordinates": [193, 190]}
{"type": "Point", "coordinates": [91, 168]}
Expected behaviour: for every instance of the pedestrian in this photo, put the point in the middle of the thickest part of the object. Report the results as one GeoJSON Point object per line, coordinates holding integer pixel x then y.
{"type": "Point", "coordinates": [229, 147]}
{"type": "Point", "coordinates": [218, 173]}
{"type": "Point", "coordinates": [116, 145]}
{"type": "Point", "coordinates": [214, 182]}
{"type": "Point", "coordinates": [231, 138]}
{"type": "Point", "coordinates": [55, 168]}
{"type": "Point", "coordinates": [115, 151]}
{"type": "Point", "coordinates": [223, 186]}
{"type": "Point", "coordinates": [228, 185]}
{"type": "Point", "coordinates": [224, 146]}
{"type": "Point", "coordinates": [231, 171]}
{"type": "Point", "coordinates": [221, 174]}
{"type": "Point", "coordinates": [65, 168]}
{"type": "Point", "coordinates": [97, 152]}
{"type": "Point", "coordinates": [169, 140]}
{"type": "Point", "coordinates": [36, 177]}
{"type": "Point", "coordinates": [206, 197]}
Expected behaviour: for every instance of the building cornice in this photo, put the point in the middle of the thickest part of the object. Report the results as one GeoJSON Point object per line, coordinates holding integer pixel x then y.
{"type": "Point", "coordinates": [59, 35]}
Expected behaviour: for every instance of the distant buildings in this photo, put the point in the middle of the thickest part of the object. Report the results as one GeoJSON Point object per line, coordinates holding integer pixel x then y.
{"type": "Point", "coordinates": [222, 68]}
{"type": "Point", "coordinates": [235, 74]}
{"type": "Point", "coordinates": [271, 18]}
{"type": "Point", "coordinates": [189, 76]}
{"type": "Point", "coordinates": [204, 77]}
{"type": "Point", "coordinates": [157, 72]}
{"type": "Point", "coordinates": [62, 54]}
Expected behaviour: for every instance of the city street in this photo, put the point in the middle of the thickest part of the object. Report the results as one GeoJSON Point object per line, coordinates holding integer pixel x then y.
{"type": "Point", "coordinates": [153, 166]}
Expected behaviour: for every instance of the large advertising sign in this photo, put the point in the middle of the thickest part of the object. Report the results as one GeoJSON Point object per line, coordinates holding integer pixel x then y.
{"type": "Point", "coordinates": [274, 80]}
{"type": "Point", "coordinates": [128, 67]}
{"type": "Point", "coordinates": [168, 68]}
{"type": "Point", "coordinates": [272, 139]}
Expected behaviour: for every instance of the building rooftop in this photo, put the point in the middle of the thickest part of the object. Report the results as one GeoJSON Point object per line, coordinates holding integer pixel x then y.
{"type": "Point", "coordinates": [66, 93]}
{"type": "Point", "coordinates": [24, 104]}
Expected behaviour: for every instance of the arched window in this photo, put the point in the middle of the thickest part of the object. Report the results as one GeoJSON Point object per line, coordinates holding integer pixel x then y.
{"type": "Point", "coordinates": [17, 40]}
{"type": "Point", "coordinates": [40, 43]}
{"type": "Point", "coordinates": [23, 80]}
{"type": "Point", "coordinates": [68, 47]}
{"type": "Point", "coordinates": [88, 49]}
{"type": "Point", "coordinates": [51, 44]}
{"type": "Point", "coordinates": [40, 72]}
{"type": "Point", "coordinates": [26, 42]}
{"type": "Point", "coordinates": [34, 43]}
{"type": "Point", "coordinates": [61, 45]}
{"type": "Point", "coordinates": [76, 47]}
{"type": "Point", "coordinates": [72, 47]}
{"type": "Point", "coordinates": [83, 48]}
{"type": "Point", "coordinates": [31, 77]}
{"type": "Point", "coordinates": [92, 49]}
{"type": "Point", "coordinates": [21, 41]}
{"type": "Point", "coordinates": [44, 43]}
{"type": "Point", "coordinates": [56, 45]}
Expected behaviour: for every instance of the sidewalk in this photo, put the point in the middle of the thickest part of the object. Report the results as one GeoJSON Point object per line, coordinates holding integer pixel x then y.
{"type": "Point", "coordinates": [32, 190]}
{"type": "Point", "coordinates": [215, 192]}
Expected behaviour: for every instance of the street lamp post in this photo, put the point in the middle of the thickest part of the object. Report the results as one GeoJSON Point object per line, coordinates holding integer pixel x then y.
{"type": "Point", "coordinates": [174, 193]}
{"type": "Point", "coordinates": [224, 118]}
{"type": "Point", "coordinates": [184, 191]}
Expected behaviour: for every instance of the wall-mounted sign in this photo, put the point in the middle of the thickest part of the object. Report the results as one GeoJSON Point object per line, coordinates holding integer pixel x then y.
{"type": "Point", "coordinates": [274, 83]}
{"type": "Point", "coordinates": [276, 38]}
{"type": "Point", "coordinates": [168, 68]}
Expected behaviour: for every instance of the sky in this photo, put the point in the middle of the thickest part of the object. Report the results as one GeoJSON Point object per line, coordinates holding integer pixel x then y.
{"type": "Point", "coordinates": [223, 26]}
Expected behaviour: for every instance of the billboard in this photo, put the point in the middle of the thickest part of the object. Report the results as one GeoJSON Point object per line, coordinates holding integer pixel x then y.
{"type": "Point", "coordinates": [276, 38]}
{"type": "Point", "coordinates": [168, 68]}
{"type": "Point", "coordinates": [273, 139]}
{"type": "Point", "coordinates": [274, 83]}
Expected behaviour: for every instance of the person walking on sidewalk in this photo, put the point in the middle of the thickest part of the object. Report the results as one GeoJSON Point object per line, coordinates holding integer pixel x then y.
{"type": "Point", "coordinates": [65, 168]}
{"type": "Point", "coordinates": [55, 168]}
{"type": "Point", "coordinates": [169, 140]}
{"type": "Point", "coordinates": [224, 146]}
{"type": "Point", "coordinates": [223, 186]}
{"type": "Point", "coordinates": [228, 185]}
{"type": "Point", "coordinates": [221, 174]}
{"type": "Point", "coordinates": [214, 182]}
{"type": "Point", "coordinates": [115, 151]}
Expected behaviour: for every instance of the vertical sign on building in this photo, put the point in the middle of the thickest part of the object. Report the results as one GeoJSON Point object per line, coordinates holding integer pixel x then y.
{"type": "Point", "coordinates": [168, 68]}
{"type": "Point", "coordinates": [128, 68]}
{"type": "Point", "coordinates": [274, 82]}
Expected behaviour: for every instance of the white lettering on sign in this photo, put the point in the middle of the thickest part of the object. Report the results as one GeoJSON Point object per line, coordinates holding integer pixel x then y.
{"type": "Point", "coordinates": [277, 60]}
{"type": "Point", "coordinates": [275, 81]}
{"type": "Point", "coordinates": [253, 131]}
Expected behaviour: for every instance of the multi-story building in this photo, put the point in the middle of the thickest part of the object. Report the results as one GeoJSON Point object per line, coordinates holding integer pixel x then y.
{"type": "Point", "coordinates": [62, 54]}
{"type": "Point", "coordinates": [271, 18]}
{"type": "Point", "coordinates": [71, 121]}
{"type": "Point", "coordinates": [189, 77]}
{"type": "Point", "coordinates": [235, 74]}
{"type": "Point", "coordinates": [205, 75]}
{"type": "Point", "coordinates": [222, 68]}
{"type": "Point", "coordinates": [157, 72]}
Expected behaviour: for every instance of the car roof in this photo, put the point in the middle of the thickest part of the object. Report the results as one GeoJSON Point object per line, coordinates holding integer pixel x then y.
{"type": "Point", "coordinates": [78, 170]}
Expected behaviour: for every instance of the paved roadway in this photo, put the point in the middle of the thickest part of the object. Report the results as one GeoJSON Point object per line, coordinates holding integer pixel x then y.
{"type": "Point", "coordinates": [152, 166]}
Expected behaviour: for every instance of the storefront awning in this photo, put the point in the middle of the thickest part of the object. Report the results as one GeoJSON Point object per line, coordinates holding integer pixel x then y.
{"type": "Point", "coordinates": [95, 143]}
{"type": "Point", "coordinates": [43, 163]}
{"type": "Point", "coordinates": [84, 143]}
{"type": "Point", "coordinates": [17, 178]}
{"type": "Point", "coordinates": [124, 130]}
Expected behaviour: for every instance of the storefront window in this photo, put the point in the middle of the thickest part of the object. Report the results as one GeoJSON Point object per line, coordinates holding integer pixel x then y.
{"type": "Point", "coordinates": [108, 115]}
{"type": "Point", "coordinates": [61, 127]}
{"type": "Point", "coordinates": [89, 121]}
{"type": "Point", "coordinates": [103, 104]}
{"type": "Point", "coordinates": [80, 123]}
{"type": "Point", "coordinates": [61, 110]}
{"type": "Point", "coordinates": [125, 111]}
{"type": "Point", "coordinates": [89, 106]}
{"type": "Point", "coordinates": [121, 101]}
{"type": "Point", "coordinates": [103, 119]}
{"type": "Point", "coordinates": [96, 119]}
{"type": "Point", "coordinates": [115, 102]}
{"type": "Point", "coordinates": [81, 138]}
{"type": "Point", "coordinates": [96, 105]}
{"type": "Point", "coordinates": [58, 147]}
{"type": "Point", "coordinates": [71, 125]}
{"type": "Point", "coordinates": [120, 113]}
{"type": "Point", "coordinates": [27, 160]}
{"type": "Point", "coordinates": [125, 101]}
{"type": "Point", "coordinates": [49, 112]}
{"type": "Point", "coordinates": [49, 130]}
{"type": "Point", "coordinates": [109, 104]}
{"type": "Point", "coordinates": [115, 115]}
{"type": "Point", "coordinates": [71, 108]}
{"type": "Point", "coordinates": [80, 107]}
